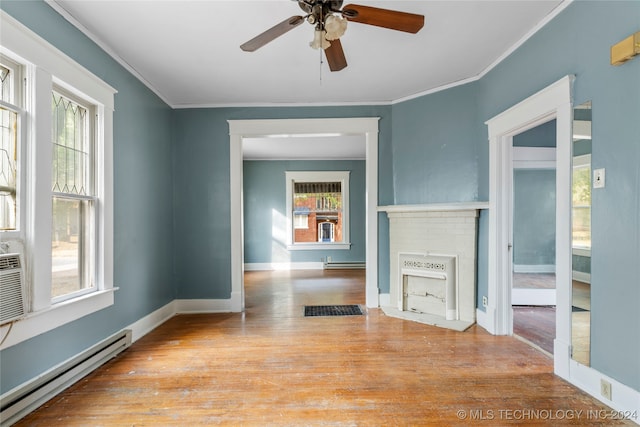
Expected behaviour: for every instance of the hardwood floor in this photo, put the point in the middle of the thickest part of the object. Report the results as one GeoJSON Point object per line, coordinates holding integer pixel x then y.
{"type": "Point", "coordinates": [272, 366]}
{"type": "Point", "coordinates": [536, 325]}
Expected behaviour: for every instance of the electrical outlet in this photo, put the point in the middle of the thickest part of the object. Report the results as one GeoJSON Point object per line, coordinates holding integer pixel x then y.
{"type": "Point", "coordinates": [605, 389]}
{"type": "Point", "coordinates": [328, 259]}
{"type": "Point", "coordinates": [485, 301]}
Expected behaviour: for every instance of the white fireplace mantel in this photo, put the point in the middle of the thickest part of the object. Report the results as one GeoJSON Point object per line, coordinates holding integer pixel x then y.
{"type": "Point", "coordinates": [433, 230]}
{"type": "Point", "coordinates": [435, 207]}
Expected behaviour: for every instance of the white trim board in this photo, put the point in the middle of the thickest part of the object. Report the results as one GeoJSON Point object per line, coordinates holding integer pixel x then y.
{"type": "Point", "coordinates": [552, 102]}
{"type": "Point", "coordinates": [540, 268]}
{"type": "Point", "coordinates": [534, 157]}
{"type": "Point", "coordinates": [625, 400]}
{"type": "Point", "coordinates": [581, 277]}
{"type": "Point", "coordinates": [539, 297]}
{"type": "Point", "coordinates": [282, 266]}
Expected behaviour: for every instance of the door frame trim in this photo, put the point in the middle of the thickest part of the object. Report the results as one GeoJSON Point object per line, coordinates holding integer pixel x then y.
{"type": "Point", "coordinates": [554, 101]}
{"type": "Point", "coordinates": [239, 129]}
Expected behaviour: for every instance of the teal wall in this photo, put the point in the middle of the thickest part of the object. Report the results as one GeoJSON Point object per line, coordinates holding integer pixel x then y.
{"type": "Point", "coordinates": [172, 178]}
{"type": "Point", "coordinates": [581, 263]}
{"type": "Point", "coordinates": [534, 217]}
{"type": "Point", "coordinates": [436, 143]}
{"type": "Point", "coordinates": [265, 207]}
{"type": "Point", "coordinates": [201, 179]}
{"type": "Point", "coordinates": [578, 42]}
{"type": "Point", "coordinates": [543, 135]}
{"type": "Point", "coordinates": [143, 237]}
{"type": "Point", "coordinates": [534, 203]}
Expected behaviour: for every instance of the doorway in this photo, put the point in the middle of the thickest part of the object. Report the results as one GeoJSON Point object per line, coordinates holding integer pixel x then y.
{"type": "Point", "coordinates": [239, 129]}
{"type": "Point", "coordinates": [533, 296]}
{"type": "Point", "coordinates": [553, 102]}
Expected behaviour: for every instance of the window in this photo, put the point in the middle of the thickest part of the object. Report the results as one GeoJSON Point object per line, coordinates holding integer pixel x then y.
{"type": "Point", "coordinates": [300, 220]}
{"type": "Point", "coordinates": [73, 198]}
{"type": "Point", "coordinates": [581, 205]}
{"type": "Point", "coordinates": [9, 144]}
{"type": "Point", "coordinates": [318, 210]}
{"type": "Point", "coordinates": [57, 147]}
{"type": "Point", "coordinates": [326, 231]}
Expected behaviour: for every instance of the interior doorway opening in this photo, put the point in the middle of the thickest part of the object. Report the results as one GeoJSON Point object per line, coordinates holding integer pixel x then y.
{"type": "Point", "coordinates": [552, 102]}
{"type": "Point", "coordinates": [241, 129]}
{"type": "Point", "coordinates": [533, 229]}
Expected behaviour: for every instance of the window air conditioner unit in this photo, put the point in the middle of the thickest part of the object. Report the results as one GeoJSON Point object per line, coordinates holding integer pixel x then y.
{"type": "Point", "coordinates": [12, 291]}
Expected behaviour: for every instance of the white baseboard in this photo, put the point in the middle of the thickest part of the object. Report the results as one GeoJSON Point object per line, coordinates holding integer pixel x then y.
{"type": "Point", "coordinates": [625, 400]}
{"type": "Point", "coordinates": [522, 296]}
{"type": "Point", "coordinates": [184, 306]}
{"type": "Point", "coordinates": [384, 300]}
{"type": "Point", "coordinates": [178, 306]}
{"type": "Point", "coordinates": [284, 266]}
{"type": "Point", "coordinates": [482, 319]}
{"type": "Point", "coordinates": [582, 277]}
{"type": "Point", "coordinates": [151, 321]}
{"type": "Point", "coordinates": [542, 268]}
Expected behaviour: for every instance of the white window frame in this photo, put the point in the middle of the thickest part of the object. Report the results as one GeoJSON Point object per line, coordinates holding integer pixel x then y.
{"type": "Point", "coordinates": [91, 219]}
{"type": "Point", "coordinates": [17, 106]}
{"type": "Point", "coordinates": [301, 221]}
{"type": "Point", "coordinates": [292, 177]}
{"type": "Point", "coordinates": [44, 67]}
{"type": "Point", "coordinates": [332, 230]}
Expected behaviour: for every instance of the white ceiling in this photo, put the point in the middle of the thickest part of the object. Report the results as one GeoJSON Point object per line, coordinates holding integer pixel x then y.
{"type": "Point", "coordinates": [188, 51]}
{"type": "Point", "coordinates": [297, 147]}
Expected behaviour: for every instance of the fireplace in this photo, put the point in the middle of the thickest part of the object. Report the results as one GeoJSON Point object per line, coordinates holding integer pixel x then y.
{"type": "Point", "coordinates": [433, 263]}
{"type": "Point", "coordinates": [428, 285]}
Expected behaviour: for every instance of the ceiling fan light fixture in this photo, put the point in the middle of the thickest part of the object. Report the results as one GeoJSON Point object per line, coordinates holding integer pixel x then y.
{"type": "Point", "coordinates": [319, 40]}
{"type": "Point", "coordinates": [335, 26]}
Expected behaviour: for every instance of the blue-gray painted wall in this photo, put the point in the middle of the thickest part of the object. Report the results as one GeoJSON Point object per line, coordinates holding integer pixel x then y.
{"type": "Point", "coordinates": [578, 42]}
{"type": "Point", "coordinates": [172, 178]}
{"type": "Point", "coordinates": [534, 217]}
{"type": "Point", "coordinates": [436, 144]}
{"type": "Point", "coordinates": [543, 135]}
{"type": "Point", "coordinates": [265, 210]}
{"type": "Point", "coordinates": [143, 218]}
{"type": "Point", "coordinates": [201, 179]}
{"type": "Point", "coordinates": [534, 203]}
{"type": "Point", "coordinates": [581, 263]}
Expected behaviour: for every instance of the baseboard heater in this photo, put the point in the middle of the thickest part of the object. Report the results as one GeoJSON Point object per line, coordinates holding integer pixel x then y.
{"type": "Point", "coordinates": [17, 403]}
{"type": "Point", "coordinates": [344, 265]}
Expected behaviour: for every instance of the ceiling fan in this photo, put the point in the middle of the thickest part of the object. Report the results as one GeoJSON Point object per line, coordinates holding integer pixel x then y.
{"type": "Point", "coordinates": [330, 22]}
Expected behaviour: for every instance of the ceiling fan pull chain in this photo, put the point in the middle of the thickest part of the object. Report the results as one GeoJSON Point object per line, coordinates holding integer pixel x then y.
{"type": "Point", "coordinates": [320, 52]}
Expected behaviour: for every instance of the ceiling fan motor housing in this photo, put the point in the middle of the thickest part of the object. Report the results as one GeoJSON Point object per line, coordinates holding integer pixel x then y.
{"type": "Point", "coordinates": [317, 10]}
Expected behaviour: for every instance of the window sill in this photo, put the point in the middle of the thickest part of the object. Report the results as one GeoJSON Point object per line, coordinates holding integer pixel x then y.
{"type": "Point", "coordinates": [319, 246]}
{"type": "Point", "coordinates": [42, 321]}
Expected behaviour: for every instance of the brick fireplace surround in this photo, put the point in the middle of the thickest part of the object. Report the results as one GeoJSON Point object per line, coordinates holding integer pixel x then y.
{"type": "Point", "coordinates": [433, 262]}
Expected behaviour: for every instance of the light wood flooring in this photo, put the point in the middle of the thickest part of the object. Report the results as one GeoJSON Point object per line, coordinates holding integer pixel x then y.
{"type": "Point", "coordinates": [537, 324]}
{"type": "Point", "coordinates": [270, 366]}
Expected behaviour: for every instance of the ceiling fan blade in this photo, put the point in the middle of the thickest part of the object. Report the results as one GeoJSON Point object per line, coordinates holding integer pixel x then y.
{"type": "Point", "coordinates": [392, 19]}
{"type": "Point", "coordinates": [335, 56]}
{"type": "Point", "coordinates": [272, 33]}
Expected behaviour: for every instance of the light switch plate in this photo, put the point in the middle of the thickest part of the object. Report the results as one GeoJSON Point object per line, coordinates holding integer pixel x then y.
{"type": "Point", "coordinates": [598, 178]}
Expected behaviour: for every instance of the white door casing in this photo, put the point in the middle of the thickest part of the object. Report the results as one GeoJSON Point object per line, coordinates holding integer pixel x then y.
{"type": "Point", "coordinates": [554, 101]}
